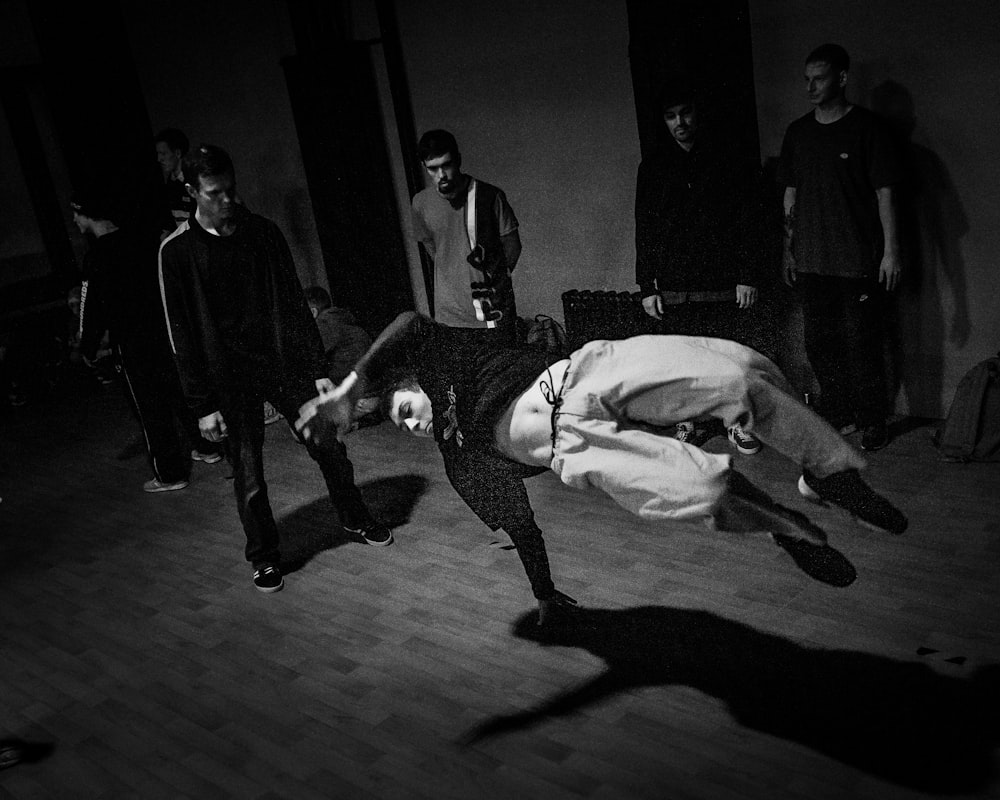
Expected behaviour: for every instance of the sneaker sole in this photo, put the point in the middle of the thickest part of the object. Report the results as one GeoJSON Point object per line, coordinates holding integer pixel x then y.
{"type": "Point", "coordinates": [747, 451]}
{"type": "Point", "coordinates": [215, 458]}
{"type": "Point", "coordinates": [809, 494]}
{"type": "Point", "coordinates": [270, 589]}
{"type": "Point", "coordinates": [174, 487]}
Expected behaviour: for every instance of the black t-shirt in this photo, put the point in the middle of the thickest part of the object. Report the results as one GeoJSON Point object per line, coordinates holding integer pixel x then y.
{"type": "Point", "coordinates": [470, 384]}
{"type": "Point", "coordinates": [835, 169]}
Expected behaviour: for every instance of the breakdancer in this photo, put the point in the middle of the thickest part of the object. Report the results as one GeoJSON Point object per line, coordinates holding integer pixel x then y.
{"type": "Point", "coordinates": [600, 418]}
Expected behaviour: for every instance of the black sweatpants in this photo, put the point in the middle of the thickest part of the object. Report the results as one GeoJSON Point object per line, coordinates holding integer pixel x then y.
{"type": "Point", "coordinates": [844, 339]}
{"type": "Point", "coordinates": [168, 425]}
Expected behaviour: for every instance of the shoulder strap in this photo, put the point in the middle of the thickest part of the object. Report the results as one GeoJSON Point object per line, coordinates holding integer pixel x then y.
{"type": "Point", "coordinates": [470, 213]}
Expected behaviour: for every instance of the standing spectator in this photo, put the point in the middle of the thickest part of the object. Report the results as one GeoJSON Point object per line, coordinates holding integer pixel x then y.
{"type": "Point", "coordinates": [120, 297]}
{"type": "Point", "coordinates": [171, 147]}
{"type": "Point", "coordinates": [471, 234]}
{"type": "Point", "coordinates": [696, 263]}
{"type": "Point", "coordinates": [242, 333]}
{"type": "Point", "coordinates": [838, 168]}
{"type": "Point", "coordinates": [344, 342]}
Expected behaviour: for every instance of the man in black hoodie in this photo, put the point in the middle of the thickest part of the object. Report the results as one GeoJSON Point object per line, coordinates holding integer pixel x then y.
{"type": "Point", "coordinates": [697, 265]}
{"type": "Point", "coordinates": [241, 333]}
{"type": "Point", "coordinates": [120, 296]}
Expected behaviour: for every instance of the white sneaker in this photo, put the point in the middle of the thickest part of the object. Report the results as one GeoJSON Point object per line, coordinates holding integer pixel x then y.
{"type": "Point", "coordinates": [153, 486]}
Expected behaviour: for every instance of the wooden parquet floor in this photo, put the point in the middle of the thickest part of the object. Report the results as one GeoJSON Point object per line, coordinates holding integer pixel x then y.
{"type": "Point", "coordinates": [699, 666]}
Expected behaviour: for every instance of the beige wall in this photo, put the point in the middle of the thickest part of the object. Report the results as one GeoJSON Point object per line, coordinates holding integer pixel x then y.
{"type": "Point", "coordinates": [947, 56]}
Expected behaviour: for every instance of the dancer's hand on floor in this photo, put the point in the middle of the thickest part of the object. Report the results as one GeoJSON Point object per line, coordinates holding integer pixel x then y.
{"type": "Point", "coordinates": [550, 608]}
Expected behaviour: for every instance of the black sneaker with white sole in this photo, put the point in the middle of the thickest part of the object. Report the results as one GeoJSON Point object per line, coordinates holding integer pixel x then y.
{"type": "Point", "coordinates": [267, 578]}
{"type": "Point", "coordinates": [374, 533]}
{"type": "Point", "coordinates": [846, 490]}
{"type": "Point", "coordinates": [744, 441]}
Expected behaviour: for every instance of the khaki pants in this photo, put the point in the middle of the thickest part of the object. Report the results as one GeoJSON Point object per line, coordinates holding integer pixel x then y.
{"type": "Point", "coordinates": [620, 399]}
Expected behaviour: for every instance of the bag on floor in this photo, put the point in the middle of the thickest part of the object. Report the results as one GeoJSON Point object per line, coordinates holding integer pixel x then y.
{"type": "Point", "coordinates": [971, 431]}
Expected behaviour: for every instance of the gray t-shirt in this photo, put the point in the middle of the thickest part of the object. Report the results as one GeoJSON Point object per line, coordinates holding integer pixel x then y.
{"type": "Point", "coordinates": [442, 229]}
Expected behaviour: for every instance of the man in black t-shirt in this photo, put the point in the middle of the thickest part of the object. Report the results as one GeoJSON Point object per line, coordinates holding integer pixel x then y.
{"type": "Point", "coordinates": [838, 168]}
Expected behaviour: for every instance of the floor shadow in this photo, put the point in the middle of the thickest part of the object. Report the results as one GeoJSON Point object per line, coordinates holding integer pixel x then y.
{"type": "Point", "coordinates": [897, 720]}
{"type": "Point", "coordinates": [905, 425]}
{"type": "Point", "coordinates": [825, 564]}
{"type": "Point", "coordinates": [311, 529]}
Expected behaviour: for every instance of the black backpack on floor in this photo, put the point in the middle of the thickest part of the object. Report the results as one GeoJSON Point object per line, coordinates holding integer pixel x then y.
{"type": "Point", "coordinates": [971, 431]}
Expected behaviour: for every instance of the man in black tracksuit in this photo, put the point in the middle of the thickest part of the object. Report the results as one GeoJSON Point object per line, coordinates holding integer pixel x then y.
{"type": "Point", "coordinates": [242, 333]}
{"type": "Point", "coordinates": [120, 295]}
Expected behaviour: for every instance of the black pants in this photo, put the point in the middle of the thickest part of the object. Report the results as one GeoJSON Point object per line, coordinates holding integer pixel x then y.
{"type": "Point", "coordinates": [844, 339]}
{"type": "Point", "coordinates": [244, 416]}
{"type": "Point", "coordinates": [168, 425]}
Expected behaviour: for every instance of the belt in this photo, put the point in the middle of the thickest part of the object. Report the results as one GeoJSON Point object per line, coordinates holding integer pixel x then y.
{"type": "Point", "coordinates": [676, 298]}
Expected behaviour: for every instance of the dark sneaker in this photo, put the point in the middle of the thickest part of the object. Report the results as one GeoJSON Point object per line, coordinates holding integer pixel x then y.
{"type": "Point", "coordinates": [847, 490]}
{"type": "Point", "coordinates": [267, 578]}
{"type": "Point", "coordinates": [208, 458]}
{"type": "Point", "coordinates": [743, 441]}
{"type": "Point", "coordinates": [875, 437]}
{"type": "Point", "coordinates": [375, 533]}
{"type": "Point", "coordinates": [16, 751]}
{"type": "Point", "coordinates": [153, 486]}
{"type": "Point", "coordinates": [689, 433]}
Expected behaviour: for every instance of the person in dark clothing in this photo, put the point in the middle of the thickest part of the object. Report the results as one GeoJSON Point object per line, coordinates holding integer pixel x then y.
{"type": "Point", "coordinates": [839, 170]}
{"type": "Point", "coordinates": [344, 341]}
{"type": "Point", "coordinates": [697, 258]}
{"type": "Point", "coordinates": [241, 333]}
{"type": "Point", "coordinates": [598, 419]}
{"type": "Point", "coordinates": [120, 297]}
{"type": "Point", "coordinates": [171, 146]}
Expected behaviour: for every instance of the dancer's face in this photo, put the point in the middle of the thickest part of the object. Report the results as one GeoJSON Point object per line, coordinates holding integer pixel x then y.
{"type": "Point", "coordinates": [411, 412]}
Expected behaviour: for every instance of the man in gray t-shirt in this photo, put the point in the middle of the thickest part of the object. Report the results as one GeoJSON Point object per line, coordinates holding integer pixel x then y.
{"type": "Point", "coordinates": [471, 234]}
